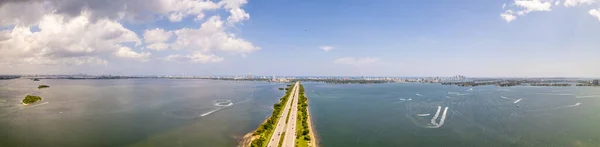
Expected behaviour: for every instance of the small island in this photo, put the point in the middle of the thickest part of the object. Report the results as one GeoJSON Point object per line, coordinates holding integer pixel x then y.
{"type": "Point", "coordinates": [43, 86]}
{"type": "Point", "coordinates": [31, 99]}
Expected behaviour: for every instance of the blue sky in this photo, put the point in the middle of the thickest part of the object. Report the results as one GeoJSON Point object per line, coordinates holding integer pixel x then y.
{"type": "Point", "coordinates": [513, 38]}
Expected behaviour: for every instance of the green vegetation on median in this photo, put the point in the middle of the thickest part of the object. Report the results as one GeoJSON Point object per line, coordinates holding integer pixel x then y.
{"type": "Point", "coordinates": [31, 99]}
{"type": "Point", "coordinates": [266, 129]}
{"type": "Point", "coordinates": [302, 130]}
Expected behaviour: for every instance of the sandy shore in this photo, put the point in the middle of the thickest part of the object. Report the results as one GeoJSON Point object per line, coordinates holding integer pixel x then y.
{"type": "Point", "coordinates": [314, 140]}
{"type": "Point", "coordinates": [248, 138]}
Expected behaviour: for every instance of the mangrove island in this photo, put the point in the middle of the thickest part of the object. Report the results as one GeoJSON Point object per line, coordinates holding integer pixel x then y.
{"type": "Point", "coordinates": [31, 99]}
{"type": "Point", "coordinates": [43, 86]}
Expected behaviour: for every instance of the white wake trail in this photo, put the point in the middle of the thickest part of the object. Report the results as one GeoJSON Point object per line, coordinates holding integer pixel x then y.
{"type": "Point", "coordinates": [425, 114]}
{"type": "Point", "coordinates": [506, 98]}
{"type": "Point", "coordinates": [588, 96]}
{"type": "Point", "coordinates": [209, 112]}
{"type": "Point", "coordinates": [436, 115]}
{"type": "Point", "coordinates": [443, 118]}
{"type": "Point", "coordinates": [517, 101]}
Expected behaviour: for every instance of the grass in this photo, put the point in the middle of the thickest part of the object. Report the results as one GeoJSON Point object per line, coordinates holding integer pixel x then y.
{"type": "Point", "coordinates": [281, 139]}
{"type": "Point", "coordinates": [302, 140]}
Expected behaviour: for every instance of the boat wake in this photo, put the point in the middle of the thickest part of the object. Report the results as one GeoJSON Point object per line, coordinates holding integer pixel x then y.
{"type": "Point", "coordinates": [560, 107]}
{"type": "Point", "coordinates": [456, 93]}
{"type": "Point", "coordinates": [588, 96]}
{"type": "Point", "coordinates": [424, 114]}
{"type": "Point", "coordinates": [556, 93]}
{"type": "Point", "coordinates": [517, 101]}
{"type": "Point", "coordinates": [419, 95]}
{"type": "Point", "coordinates": [433, 123]}
{"type": "Point", "coordinates": [503, 97]}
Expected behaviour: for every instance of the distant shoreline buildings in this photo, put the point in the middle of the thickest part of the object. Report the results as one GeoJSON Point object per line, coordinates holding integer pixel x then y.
{"type": "Point", "coordinates": [458, 80]}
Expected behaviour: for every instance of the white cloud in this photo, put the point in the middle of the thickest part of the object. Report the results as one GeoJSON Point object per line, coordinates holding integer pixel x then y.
{"type": "Point", "coordinates": [156, 38]}
{"type": "Point", "coordinates": [573, 3]}
{"type": "Point", "coordinates": [60, 40]}
{"type": "Point", "coordinates": [595, 13]}
{"type": "Point", "coordinates": [90, 31]}
{"type": "Point", "coordinates": [125, 52]}
{"type": "Point", "coordinates": [533, 5]}
{"type": "Point", "coordinates": [326, 48]}
{"type": "Point", "coordinates": [211, 36]}
{"type": "Point", "coordinates": [357, 61]}
{"type": "Point", "coordinates": [157, 35]}
{"type": "Point", "coordinates": [237, 15]}
{"type": "Point", "coordinates": [522, 7]}
{"type": "Point", "coordinates": [158, 46]}
{"type": "Point", "coordinates": [196, 57]}
{"type": "Point", "coordinates": [508, 16]}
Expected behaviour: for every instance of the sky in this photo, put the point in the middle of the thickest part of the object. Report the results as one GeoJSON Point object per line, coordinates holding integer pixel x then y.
{"type": "Point", "coordinates": [503, 38]}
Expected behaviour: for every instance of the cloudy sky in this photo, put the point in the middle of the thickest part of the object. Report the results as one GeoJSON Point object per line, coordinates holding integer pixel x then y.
{"type": "Point", "coordinates": [508, 38]}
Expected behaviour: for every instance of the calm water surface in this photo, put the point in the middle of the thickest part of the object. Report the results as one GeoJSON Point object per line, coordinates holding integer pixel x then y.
{"type": "Point", "coordinates": [162, 112]}
{"type": "Point", "coordinates": [391, 115]}
{"type": "Point", "coordinates": [137, 112]}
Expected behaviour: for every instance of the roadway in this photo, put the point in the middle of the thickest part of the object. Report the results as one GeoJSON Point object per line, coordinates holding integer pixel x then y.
{"type": "Point", "coordinates": [279, 129]}
{"type": "Point", "coordinates": [289, 139]}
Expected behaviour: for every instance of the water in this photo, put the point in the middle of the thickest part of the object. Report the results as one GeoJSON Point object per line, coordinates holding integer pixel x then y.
{"type": "Point", "coordinates": [135, 112]}
{"type": "Point", "coordinates": [389, 115]}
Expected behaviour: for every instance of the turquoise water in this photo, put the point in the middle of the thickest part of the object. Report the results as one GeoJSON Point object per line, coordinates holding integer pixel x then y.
{"type": "Point", "coordinates": [390, 115]}
{"type": "Point", "coordinates": [136, 112]}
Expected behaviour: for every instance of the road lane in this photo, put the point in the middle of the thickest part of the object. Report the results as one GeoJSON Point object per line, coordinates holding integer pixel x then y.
{"type": "Point", "coordinates": [290, 133]}
{"type": "Point", "coordinates": [279, 129]}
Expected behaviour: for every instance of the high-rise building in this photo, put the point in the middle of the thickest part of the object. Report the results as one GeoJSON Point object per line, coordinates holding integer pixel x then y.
{"type": "Point", "coordinates": [595, 82]}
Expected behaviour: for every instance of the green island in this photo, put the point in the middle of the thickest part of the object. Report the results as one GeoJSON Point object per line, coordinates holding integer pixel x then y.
{"type": "Point", "coordinates": [43, 86]}
{"type": "Point", "coordinates": [31, 99]}
{"type": "Point", "coordinates": [261, 135]}
{"type": "Point", "coordinates": [303, 131]}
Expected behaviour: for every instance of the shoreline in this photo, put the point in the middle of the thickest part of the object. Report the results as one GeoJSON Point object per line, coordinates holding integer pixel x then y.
{"type": "Point", "coordinates": [314, 140]}
{"type": "Point", "coordinates": [247, 139]}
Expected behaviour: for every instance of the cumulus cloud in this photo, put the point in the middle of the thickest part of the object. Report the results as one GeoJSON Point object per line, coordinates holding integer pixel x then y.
{"type": "Point", "coordinates": [77, 39]}
{"type": "Point", "coordinates": [156, 38]}
{"type": "Point", "coordinates": [573, 3]}
{"type": "Point", "coordinates": [90, 31]}
{"type": "Point", "coordinates": [126, 52]}
{"type": "Point", "coordinates": [157, 35]}
{"type": "Point", "coordinates": [357, 61]}
{"type": "Point", "coordinates": [196, 57]}
{"type": "Point", "coordinates": [326, 48]}
{"type": "Point", "coordinates": [533, 5]}
{"type": "Point", "coordinates": [237, 15]}
{"type": "Point", "coordinates": [211, 37]}
{"type": "Point", "coordinates": [523, 7]}
{"type": "Point", "coordinates": [508, 16]}
{"type": "Point", "coordinates": [595, 13]}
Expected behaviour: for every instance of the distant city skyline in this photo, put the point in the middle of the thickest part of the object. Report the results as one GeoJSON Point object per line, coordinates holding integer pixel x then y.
{"type": "Point", "coordinates": [510, 38]}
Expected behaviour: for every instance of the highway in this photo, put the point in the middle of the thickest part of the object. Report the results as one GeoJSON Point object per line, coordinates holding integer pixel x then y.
{"type": "Point", "coordinates": [279, 129]}
{"type": "Point", "coordinates": [289, 139]}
